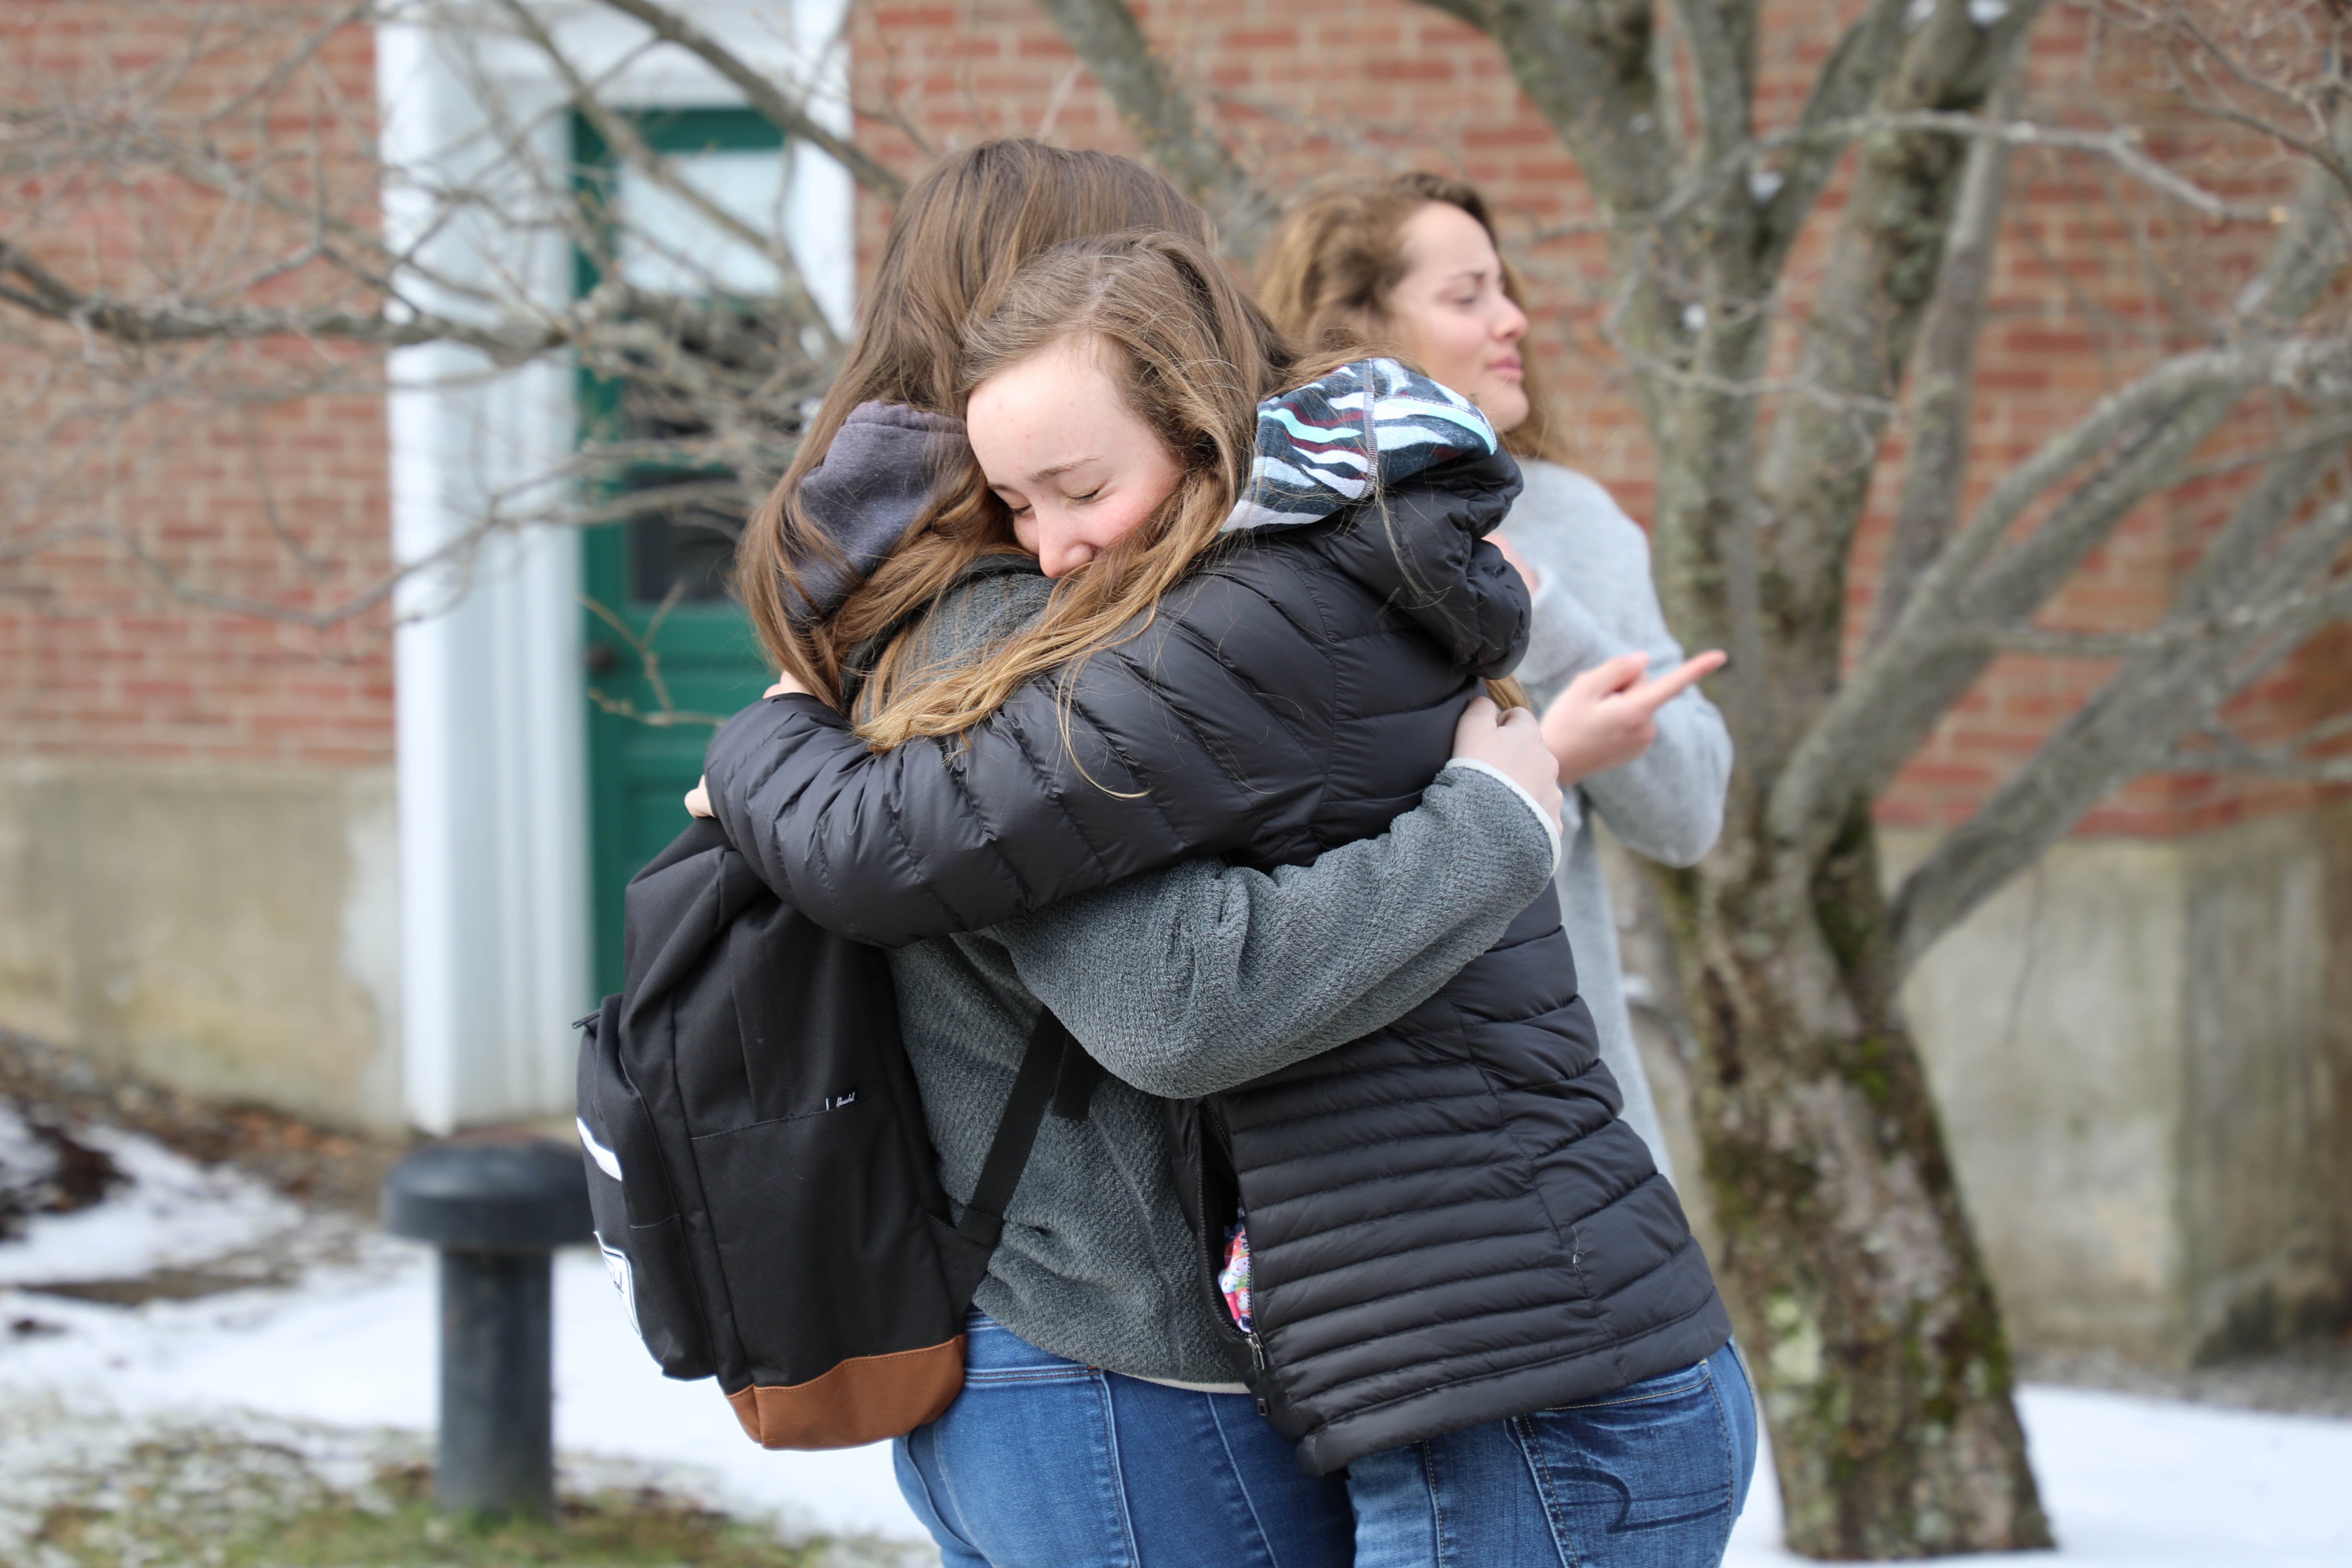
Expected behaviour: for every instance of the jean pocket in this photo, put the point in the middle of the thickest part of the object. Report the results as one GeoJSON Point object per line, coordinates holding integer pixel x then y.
{"type": "Point", "coordinates": [1665, 1385]}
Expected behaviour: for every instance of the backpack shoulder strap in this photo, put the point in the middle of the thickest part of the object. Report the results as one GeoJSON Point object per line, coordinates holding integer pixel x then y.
{"type": "Point", "coordinates": [1046, 1067]}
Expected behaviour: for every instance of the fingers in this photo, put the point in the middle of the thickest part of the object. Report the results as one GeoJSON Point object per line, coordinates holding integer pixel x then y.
{"type": "Point", "coordinates": [1656, 694]}
{"type": "Point", "coordinates": [1510, 552]}
{"type": "Point", "coordinates": [698, 799]}
{"type": "Point", "coordinates": [1515, 746]}
{"type": "Point", "coordinates": [1479, 716]}
{"type": "Point", "coordinates": [1610, 675]}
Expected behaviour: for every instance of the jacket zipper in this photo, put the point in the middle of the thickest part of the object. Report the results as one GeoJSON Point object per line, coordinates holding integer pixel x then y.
{"type": "Point", "coordinates": [1258, 1362]}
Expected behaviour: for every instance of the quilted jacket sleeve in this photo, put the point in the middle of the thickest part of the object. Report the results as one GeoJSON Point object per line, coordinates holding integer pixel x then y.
{"type": "Point", "coordinates": [1171, 752]}
{"type": "Point", "coordinates": [1210, 732]}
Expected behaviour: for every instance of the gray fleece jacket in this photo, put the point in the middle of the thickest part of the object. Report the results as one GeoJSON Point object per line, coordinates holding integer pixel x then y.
{"type": "Point", "coordinates": [1594, 600]}
{"type": "Point", "coordinates": [1179, 982]}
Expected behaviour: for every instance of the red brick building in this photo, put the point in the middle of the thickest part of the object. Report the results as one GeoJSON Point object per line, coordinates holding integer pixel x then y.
{"type": "Point", "coordinates": [346, 869]}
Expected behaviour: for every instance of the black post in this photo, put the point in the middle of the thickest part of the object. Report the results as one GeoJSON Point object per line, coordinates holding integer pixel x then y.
{"type": "Point", "coordinates": [497, 1369]}
{"type": "Point", "coordinates": [496, 1208]}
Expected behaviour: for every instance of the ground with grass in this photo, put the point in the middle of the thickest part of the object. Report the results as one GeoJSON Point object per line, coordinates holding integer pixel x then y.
{"type": "Point", "coordinates": [251, 1492]}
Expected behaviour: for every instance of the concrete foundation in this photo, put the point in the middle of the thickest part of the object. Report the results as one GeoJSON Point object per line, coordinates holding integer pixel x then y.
{"type": "Point", "coordinates": [2143, 1050]}
{"type": "Point", "coordinates": [232, 933]}
{"type": "Point", "coordinates": [2143, 1055]}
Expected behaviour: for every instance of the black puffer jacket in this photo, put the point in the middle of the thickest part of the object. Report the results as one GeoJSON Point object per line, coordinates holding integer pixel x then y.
{"type": "Point", "coordinates": [1450, 1224]}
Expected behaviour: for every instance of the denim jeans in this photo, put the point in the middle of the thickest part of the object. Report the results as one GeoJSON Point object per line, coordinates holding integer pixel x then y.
{"type": "Point", "coordinates": [1651, 1475]}
{"type": "Point", "coordinates": [1042, 1463]}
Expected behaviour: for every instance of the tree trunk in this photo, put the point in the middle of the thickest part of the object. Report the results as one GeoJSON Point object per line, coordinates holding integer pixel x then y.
{"type": "Point", "coordinates": [1847, 1257]}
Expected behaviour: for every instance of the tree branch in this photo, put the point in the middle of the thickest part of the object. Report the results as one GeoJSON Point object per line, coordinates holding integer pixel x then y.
{"type": "Point", "coordinates": [762, 94]}
{"type": "Point", "coordinates": [40, 293]}
{"type": "Point", "coordinates": [2128, 728]}
{"type": "Point", "coordinates": [1813, 479]}
{"type": "Point", "coordinates": [1587, 66]}
{"type": "Point", "coordinates": [1864, 57]}
{"type": "Point", "coordinates": [2226, 752]}
{"type": "Point", "coordinates": [1721, 37]}
{"type": "Point", "coordinates": [1107, 38]}
{"type": "Point", "coordinates": [2125, 148]}
{"type": "Point", "coordinates": [1900, 692]}
{"type": "Point", "coordinates": [621, 135]}
{"type": "Point", "coordinates": [1935, 471]}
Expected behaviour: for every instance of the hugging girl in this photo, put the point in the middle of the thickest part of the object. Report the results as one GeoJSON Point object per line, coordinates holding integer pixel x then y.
{"type": "Point", "coordinates": [1137, 700]}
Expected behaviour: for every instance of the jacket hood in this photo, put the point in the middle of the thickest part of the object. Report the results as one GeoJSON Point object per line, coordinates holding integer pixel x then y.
{"type": "Point", "coordinates": [876, 479]}
{"type": "Point", "coordinates": [1426, 480]}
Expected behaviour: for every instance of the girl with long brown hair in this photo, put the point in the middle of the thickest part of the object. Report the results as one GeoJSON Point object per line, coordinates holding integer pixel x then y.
{"type": "Point", "coordinates": [1099, 1421]}
{"type": "Point", "coordinates": [1450, 1235]}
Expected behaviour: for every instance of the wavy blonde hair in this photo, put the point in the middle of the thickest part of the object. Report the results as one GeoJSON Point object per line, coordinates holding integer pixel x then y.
{"type": "Point", "coordinates": [1335, 260]}
{"type": "Point", "coordinates": [959, 235]}
{"type": "Point", "coordinates": [1191, 356]}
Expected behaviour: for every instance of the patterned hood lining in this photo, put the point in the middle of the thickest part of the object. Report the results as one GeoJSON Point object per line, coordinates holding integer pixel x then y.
{"type": "Point", "coordinates": [1364, 426]}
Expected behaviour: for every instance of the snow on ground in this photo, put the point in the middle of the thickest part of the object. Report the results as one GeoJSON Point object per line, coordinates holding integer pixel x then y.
{"type": "Point", "coordinates": [172, 1213]}
{"type": "Point", "coordinates": [2152, 1483]}
{"type": "Point", "coordinates": [2130, 1483]}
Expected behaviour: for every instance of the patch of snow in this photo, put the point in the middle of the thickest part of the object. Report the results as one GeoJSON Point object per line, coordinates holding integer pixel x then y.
{"type": "Point", "coordinates": [1985, 13]}
{"type": "Point", "coordinates": [354, 1346]}
{"type": "Point", "coordinates": [350, 1350]}
{"type": "Point", "coordinates": [1763, 185]}
{"type": "Point", "coordinates": [1915, 17]}
{"type": "Point", "coordinates": [19, 1149]}
{"type": "Point", "coordinates": [1694, 318]}
{"type": "Point", "coordinates": [2152, 1483]}
{"type": "Point", "coordinates": [171, 1214]}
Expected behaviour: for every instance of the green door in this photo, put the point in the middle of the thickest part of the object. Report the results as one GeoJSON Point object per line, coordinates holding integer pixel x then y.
{"type": "Point", "coordinates": [669, 650]}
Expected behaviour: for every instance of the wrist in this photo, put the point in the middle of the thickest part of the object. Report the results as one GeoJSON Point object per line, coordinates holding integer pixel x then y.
{"type": "Point", "coordinates": [1551, 824]}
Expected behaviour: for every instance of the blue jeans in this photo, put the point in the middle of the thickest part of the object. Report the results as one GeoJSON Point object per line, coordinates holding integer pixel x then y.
{"type": "Point", "coordinates": [1651, 1475]}
{"type": "Point", "coordinates": [1042, 1463]}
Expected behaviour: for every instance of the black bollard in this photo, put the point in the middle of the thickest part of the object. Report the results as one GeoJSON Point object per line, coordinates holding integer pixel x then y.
{"type": "Point", "coordinates": [498, 1208]}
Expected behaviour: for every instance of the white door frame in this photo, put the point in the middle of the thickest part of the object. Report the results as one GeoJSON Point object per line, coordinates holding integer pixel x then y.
{"type": "Point", "coordinates": [488, 685]}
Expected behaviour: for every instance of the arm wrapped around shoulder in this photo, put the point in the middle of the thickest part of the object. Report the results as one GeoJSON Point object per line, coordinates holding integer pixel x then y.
{"type": "Point", "coordinates": [1203, 976]}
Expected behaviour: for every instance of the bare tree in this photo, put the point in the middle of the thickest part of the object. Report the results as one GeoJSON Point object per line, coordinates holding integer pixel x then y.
{"type": "Point", "coordinates": [268, 278]}
{"type": "Point", "coordinates": [1860, 1289]}
{"type": "Point", "coordinates": [202, 243]}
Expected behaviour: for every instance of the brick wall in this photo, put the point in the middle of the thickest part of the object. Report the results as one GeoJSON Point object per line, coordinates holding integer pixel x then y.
{"type": "Point", "coordinates": [190, 479]}
{"type": "Point", "coordinates": [2090, 277]}
{"type": "Point", "coordinates": [259, 477]}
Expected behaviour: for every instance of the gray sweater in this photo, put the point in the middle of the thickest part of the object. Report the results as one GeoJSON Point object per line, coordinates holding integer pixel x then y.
{"type": "Point", "coordinates": [1179, 982]}
{"type": "Point", "coordinates": [1595, 600]}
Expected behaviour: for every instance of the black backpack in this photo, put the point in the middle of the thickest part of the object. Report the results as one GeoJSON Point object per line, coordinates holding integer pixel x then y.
{"type": "Point", "coordinates": [764, 1188]}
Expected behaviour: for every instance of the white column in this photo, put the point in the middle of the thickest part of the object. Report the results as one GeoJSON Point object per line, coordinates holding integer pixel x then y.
{"type": "Point", "coordinates": [492, 750]}
{"type": "Point", "coordinates": [491, 714]}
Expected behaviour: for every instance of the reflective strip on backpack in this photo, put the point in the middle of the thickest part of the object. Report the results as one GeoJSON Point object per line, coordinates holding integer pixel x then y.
{"type": "Point", "coordinates": [607, 1161]}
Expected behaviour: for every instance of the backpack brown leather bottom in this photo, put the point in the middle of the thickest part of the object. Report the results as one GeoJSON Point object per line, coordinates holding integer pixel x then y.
{"type": "Point", "coordinates": [862, 1400]}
